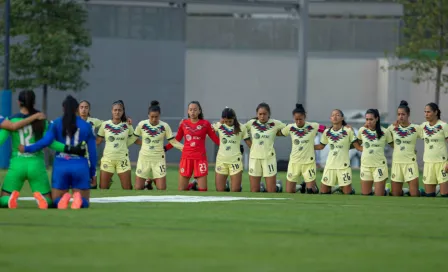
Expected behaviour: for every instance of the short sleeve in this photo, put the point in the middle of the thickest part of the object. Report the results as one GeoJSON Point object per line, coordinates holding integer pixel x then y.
{"type": "Point", "coordinates": [280, 125]}
{"type": "Point", "coordinates": [101, 130]}
{"type": "Point", "coordinates": [138, 130]}
{"type": "Point", "coordinates": [351, 135]}
{"type": "Point", "coordinates": [285, 130]}
{"type": "Point", "coordinates": [324, 138]}
{"type": "Point", "coordinates": [248, 124]}
{"type": "Point", "coordinates": [168, 132]}
{"type": "Point", "coordinates": [445, 130]}
{"type": "Point", "coordinates": [244, 132]}
{"type": "Point", "coordinates": [419, 131]}
{"type": "Point", "coordinates": [131, 130]}
{"type": "Point", "coordinates": [360, 133]}
{"type": "Point", "coordinates": [389, 138]}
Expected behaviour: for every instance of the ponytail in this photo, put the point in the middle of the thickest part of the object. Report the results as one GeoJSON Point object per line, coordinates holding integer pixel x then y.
{"type": "Point", "coordinates": [69, 126]}
{"type": "Point", "coordinates": [27, 99]}
{"type": "Point", "coordinates": [299, 109]}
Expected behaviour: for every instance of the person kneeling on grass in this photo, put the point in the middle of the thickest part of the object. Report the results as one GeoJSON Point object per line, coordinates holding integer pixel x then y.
{"type": "Point", "coordinates": [69, 171]}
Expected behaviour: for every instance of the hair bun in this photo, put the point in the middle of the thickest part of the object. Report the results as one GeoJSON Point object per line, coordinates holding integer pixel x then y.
{"type": "Point", "coordinates": [404, 103]}
{"type": "Point", "coordinates": [299, 106]}
{"type": "Point", "coordinates": [155, 103]}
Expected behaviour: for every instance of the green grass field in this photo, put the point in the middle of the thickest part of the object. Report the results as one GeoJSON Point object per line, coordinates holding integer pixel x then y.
{"type": "Point", "coordinates": [304, 232]}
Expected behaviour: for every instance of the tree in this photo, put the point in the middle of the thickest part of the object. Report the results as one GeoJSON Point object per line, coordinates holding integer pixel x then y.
{"type": "Point", "coordinates": [48, 46]}
{"type": "Point", "coordinates": [425, 44]}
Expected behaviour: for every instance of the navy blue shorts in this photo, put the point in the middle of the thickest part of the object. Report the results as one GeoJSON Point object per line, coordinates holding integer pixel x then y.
{"type": "Point", "coordinates": [73, 173]}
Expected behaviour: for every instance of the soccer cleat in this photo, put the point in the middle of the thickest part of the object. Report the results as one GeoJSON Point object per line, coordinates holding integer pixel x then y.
{"type": "Point", "coordinates": [301, 187]}
{"type": "Point", "coordinates": [278, 186]}
{"type": "Point", "coordinates": [406, 192]}
{"type": "Point", "coordinates": [193, 186]}
{"type": "Point", "coordinates": [65, 200]}
{"type": "Point", "coordinates": [41, 201]}
{"type": "Point", "coordinates": [148, 184]}
{"type": "Point", "coordinates": [388, 189]}
{"type": "Point", "coordinates": [262, 188]}
{"type": "Point", "coordinates": [77, 201]}
{"type": "Point", "coordinates": [335, 189]}
{"type": "Point", "coordinates": [12, 203]}
{"type": "Point", "coordinates": [227, 186]}
{"type": "Point", "coordinates": [437, 189]}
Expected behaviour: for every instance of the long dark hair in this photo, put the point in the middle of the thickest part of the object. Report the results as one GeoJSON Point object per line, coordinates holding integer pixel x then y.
{"type": "Point", "coordinates": [299, 109]}
{"type": "Point", "coordinates": [376, 114]}
{"type": "Point", "coordinates": [201, 115]}
{"type": "Point", "coordinates": [435, 107]}
{"type": "Point", "coordinates": [88, 103]}
{"type": "Point", "coordinates": [27, 99]}
{"type": "Point", "coordinates": [263, 106]}
{"type": "Point", "coordinates": [229, 113]}
{"type": "Point", "coordinates": [154, 107]}
{"type": "Point", "coordinates": [124, 118]}
{"type": "Point", "coordinates": [69, 126]}
{"type": "Point", "coordinates": [404, 105]}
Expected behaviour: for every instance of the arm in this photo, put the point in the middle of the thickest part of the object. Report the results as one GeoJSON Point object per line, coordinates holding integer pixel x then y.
{"type": "Point", "coordinates": [356, 144]}
{"type": "Point", "coordinates": [248, 142]}
{"type": "Point", "coordinates": [319, 146]}
{"type": "Point", "coordinates": [176, 144]}
{"type": "Point", "coordinates": [132, 139]}
{"type": "Point", "coordinates": [42, 143]}
{"type": "Point", "coordinates": [179, 136]}
{"type": "Point", "coordinates": [138, 141]}
{"type": "Point", "coordinates": [8, 125]}
{"type": "Point", "coordinates": [57, 146]}
{"type": "Point", "coordinates": [212, 134]}
{"type": "Point", "coordinates": [91, 145]}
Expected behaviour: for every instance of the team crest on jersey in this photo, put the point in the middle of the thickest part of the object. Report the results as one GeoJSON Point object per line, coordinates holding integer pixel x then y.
{"type": "Point", "coordinates": [188, 137]}
{"type": "Point", "coordinates": [227, 131]}
{"type": "Point", "coordinates": [301, 132]}
{"type": "Point", "coordinates": [199, 127]}
{"type": "Point", "coordinates": [370, 136]}
{"type": "Point", "coordinates": [431, 131]}
{"type": "Point", "coordinates": [336, 136]}
{"type": "Point", "coordinates": [262, 127]}
{"type": "Point", "coordinates": [153, 131]}
{"type": "Point", "coordinates": [116, 130]}
{"type": "Point", "coordinates": [404, 132]}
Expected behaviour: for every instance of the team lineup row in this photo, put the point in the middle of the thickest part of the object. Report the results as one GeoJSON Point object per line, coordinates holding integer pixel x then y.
{"type": "Point", "coordinates": [259, 134]}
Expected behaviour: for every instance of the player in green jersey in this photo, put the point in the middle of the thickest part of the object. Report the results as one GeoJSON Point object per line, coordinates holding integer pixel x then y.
{"type": "Point", "coordinates": [29, 166]}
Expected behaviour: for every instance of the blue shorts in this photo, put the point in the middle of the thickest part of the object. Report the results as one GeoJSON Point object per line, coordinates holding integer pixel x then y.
{"type": "Point", "coordinates": [74, 173]}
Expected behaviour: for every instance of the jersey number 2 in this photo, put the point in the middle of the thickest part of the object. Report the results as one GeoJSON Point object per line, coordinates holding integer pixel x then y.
{"type": "Point", "coordinates": [26, 133]}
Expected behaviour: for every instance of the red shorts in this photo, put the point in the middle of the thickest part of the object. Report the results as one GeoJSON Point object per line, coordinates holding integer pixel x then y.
{"type": "Point", "coordinates": [188, 167]}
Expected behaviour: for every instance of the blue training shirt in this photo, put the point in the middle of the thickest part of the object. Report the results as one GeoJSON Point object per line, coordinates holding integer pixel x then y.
{"type": "Point", "coordinates": [83, 134]}
{"type": "Point", "coordinates": [2, 119]}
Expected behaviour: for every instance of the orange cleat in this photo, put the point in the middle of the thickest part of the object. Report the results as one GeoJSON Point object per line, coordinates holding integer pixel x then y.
{"type": "Point", "coordinates": [41, 201]}
{"type": "Point", "coordinates": [12, 203]}
{"type": "Point", "coordinates": [65, 200]}
{"type": "Point", "coordinates": [77, 201]}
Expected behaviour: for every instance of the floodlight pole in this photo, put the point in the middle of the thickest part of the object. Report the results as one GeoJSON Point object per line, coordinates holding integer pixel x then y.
{"type": "Point", "coordinates": [302, 50]}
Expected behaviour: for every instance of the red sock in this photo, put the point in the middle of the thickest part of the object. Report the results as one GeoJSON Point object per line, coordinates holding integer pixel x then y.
{"type": "Point", "coordinates": [202, 189]}
{"type": "Point", "coordinates": [190, 186]}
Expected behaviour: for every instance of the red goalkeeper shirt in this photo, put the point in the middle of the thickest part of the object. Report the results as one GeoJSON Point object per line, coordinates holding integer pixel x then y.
{"type": "Point", "coordinates": [194, 135]}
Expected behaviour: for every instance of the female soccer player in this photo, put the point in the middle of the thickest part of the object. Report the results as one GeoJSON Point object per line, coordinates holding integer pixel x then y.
{"type": "Point", "coordinates": [262, 160]}
{"type": "Point", "coordinates": [29, 166]}
{"type": "Point", "coordinates": [194, 162]}
{"type": "Point", "coordinates": [151, 159]}
{"type": "Point", "coordinates": [69, 171]}
{"type": "Point", "coordinates": [337, 169]}
{"type": "Point", "coordinates": [8, 125]}
{"type": "Point", "coordinates": [229, 159]}
{"type": "Point", "coordinates": [302, 161]}
{"type": "Point", "coordinates": [404, 158]}
{"type": "Point", "coordinates": [84, 113]}
{"type": "Point", "coordinates": [435, 133]}
{"type": "Point", "coordinates": [117, 133]}
{"type": "Point", "coordinates": [373, 161]}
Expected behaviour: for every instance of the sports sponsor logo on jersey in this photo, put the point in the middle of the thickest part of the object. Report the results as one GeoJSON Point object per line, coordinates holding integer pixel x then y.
{"type": "Point", "coordinates": [188, 137]}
